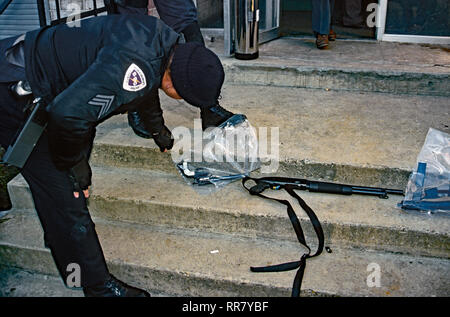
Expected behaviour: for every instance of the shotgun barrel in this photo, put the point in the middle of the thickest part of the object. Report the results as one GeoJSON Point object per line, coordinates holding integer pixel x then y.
{"type": "Point", "coordinates": [320, 187]}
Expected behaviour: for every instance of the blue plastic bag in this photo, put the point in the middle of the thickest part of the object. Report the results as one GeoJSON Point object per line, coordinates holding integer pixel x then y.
{"type": "Point", "coordinates": [428, 188]}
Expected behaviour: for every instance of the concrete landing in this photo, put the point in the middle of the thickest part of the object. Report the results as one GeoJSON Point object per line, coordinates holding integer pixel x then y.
{"type": "Point", "coordinates": [347, 65]}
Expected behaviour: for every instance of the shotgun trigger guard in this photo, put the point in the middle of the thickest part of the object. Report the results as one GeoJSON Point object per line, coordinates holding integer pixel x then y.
{"type": "Point", "coordinates": [384, 196]}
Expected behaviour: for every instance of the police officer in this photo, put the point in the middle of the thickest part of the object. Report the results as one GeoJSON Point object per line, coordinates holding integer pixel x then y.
{"type": "Point", "coordinates": [180, 15]}
{"type": "Point", "coordinates": [85, 75]}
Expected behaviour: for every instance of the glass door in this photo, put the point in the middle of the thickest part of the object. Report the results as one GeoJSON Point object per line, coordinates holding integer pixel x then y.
{"type": "Point", "coordinates": [269, 22]}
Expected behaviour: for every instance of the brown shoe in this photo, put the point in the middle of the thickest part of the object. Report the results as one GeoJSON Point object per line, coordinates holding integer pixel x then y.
{"type": "Point", "coordinates": [322, 41]}
{"type": "Point", "coordinates": [332, 36]}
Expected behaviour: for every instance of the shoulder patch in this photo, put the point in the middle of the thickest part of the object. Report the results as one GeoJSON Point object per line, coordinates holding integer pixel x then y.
{"type": "Point", "coordinates": [134, 79]}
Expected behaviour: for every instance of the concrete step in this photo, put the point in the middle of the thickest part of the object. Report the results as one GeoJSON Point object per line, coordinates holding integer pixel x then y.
{"type": "Point", "coordinates": [160, 199]}
{"type": "Point", "coordinates": [188, 262]}
{"type": "Point", "coordinates": [357, 138]}
{"type": "Point", "coordinates": [368, 66]}
{"type": "Point", "coordinates": [17, 282]}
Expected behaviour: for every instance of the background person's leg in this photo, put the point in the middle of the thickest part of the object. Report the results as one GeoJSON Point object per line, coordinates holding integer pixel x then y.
{"type": "Point", "coordinates": [352, 13]}
{"type": "Point", "coordinates": [126, 7]}
{"type": "Point", "coordinates": [321, 16]}
{"type": "Point", "coordinates": [178, 14]}
{"type": "Point", "coordinates": [121, 9]}
{"type": "Point", "coordinates": [321, 22]}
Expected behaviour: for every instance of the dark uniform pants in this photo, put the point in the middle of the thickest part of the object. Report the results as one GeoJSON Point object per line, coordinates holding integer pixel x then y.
{"type": "Point", "coordinates": [68, 228]}
{"type": "Point", "coordinates": [177, 14]}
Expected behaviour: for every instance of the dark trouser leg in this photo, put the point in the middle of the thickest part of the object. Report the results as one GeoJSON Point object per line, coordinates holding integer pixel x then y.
{"type": "Point", "coordinates": [352, 12]}
{"type": "Point", "coordinates": [69, 231]}
{"type": "Point", "coordinates": [181, 15]}
{"type": "Point", "coordinates": [68, 228]}
{"type": "Point", "coordinates": [121, 7]}
{"type": "Point", "coordinates": [131, 10]}
{"type": "Point", "coordinates": [321, 16]}
{"type": "Point", "coordinates": [177, 14]}
{"type": "Point", "coordinates": [192, 33]}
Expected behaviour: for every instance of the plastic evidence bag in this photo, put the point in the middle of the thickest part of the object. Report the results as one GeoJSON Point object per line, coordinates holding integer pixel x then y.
{"type": "Point", "coordinates": [222, 155]}
{"type": "Point", "coordinates": [428, 188]}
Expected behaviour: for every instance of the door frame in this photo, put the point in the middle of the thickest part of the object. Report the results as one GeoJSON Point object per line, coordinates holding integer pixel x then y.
{"type": "Point", "coordinates": [421, 39]}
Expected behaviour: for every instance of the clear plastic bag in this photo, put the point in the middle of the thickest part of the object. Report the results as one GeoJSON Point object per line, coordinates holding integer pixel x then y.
{"type": "Point", "coordinates": [428, 188]}
{"type": "Point", "coordinates": [223, 155]}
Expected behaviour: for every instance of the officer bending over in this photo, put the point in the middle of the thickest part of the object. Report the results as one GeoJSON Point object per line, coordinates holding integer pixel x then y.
{"type": "Point", "coordinates": [84, 75]}
{"type": "Point", "coordinates": [181, 16]}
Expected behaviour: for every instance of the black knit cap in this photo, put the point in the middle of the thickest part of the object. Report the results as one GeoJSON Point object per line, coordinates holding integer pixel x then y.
{"type": "Point", "coordinates": [197, 74]}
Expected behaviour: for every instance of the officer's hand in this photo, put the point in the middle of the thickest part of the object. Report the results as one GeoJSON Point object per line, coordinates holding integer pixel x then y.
{"type": "Point", "coordinates": [163, 139]}
{"type": "Point", "coordinates": [214, 116]}
{"type": "Point", "coordinates": [81, 175]}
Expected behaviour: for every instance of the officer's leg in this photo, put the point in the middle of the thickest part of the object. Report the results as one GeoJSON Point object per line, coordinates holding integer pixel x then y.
{"type": "Point", "coordinates": [68, 228]}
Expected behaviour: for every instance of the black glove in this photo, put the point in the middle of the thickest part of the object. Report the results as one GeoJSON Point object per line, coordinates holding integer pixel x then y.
{"type": "Point", "coordinates": [81, 175]}
{"type": "Point", "coordinates": [214, 116]}
{"type": "Point", "coordinates": [137, 124]}
{"type": "Point", "coordinates": [147, 116]}
{"type": "Point", "coordinates": [163, 139]}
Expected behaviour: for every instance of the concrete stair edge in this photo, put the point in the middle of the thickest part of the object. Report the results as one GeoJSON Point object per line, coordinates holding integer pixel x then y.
{"type": "Point", "coordinates": [135, 156]}
{"type": "Point", "coordinates": [347, 221]}
{"type": "Point", "coordinates": [184, 261]}
{"type": "Point", "coordinates": [399, 82]}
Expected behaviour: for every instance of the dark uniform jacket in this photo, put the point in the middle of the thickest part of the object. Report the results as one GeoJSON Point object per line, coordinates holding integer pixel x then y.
{"type": "Point", "coordinates": [86, 73]}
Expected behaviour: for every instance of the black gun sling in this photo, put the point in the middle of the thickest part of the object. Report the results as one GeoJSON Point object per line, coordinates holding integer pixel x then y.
{"type": "Point", "coordinates": [301, 264]}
